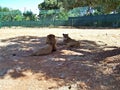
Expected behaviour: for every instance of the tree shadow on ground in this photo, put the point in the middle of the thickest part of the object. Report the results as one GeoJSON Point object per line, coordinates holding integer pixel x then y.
{"type": "Point", "coordinates": [21, 45]}
{"type": "Point", "coordinates": [97, 51]}
{"type": "Point", "coordinates": [72, 66]}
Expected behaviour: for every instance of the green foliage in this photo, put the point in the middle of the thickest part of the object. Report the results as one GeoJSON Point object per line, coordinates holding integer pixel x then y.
{"type": "Point", "coordinates": [15, 15]}
{"type": "Point", "coordinates": [48, 4]}
{"type": "Point", "coordinates": [18, 18]}
{"type": "Point", "coordinates": [107, 5]}
{"type": "Point", "coordinates": [118, 9]}
{"type": "Point", "coordinates": [75, 12]}
{"type": "Point", "coordinates": [5, 9]}
{"type": "Point", "coordinates": [63, 15]}
{"type": "Point", "coordinates": [49, 14]}
{"type": "Point", "coordinates": [28, 15]}
{"type": "Point", "coordinates": [10, 15]}
{"type": "Point", "coordinates": [98, 10]}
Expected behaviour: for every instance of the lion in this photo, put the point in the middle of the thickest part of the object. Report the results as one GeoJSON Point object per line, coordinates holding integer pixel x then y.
{"type": "Point", "coordinates": [48, 48]}
{"type": "Point", "coordinates": [70, 42]}
{"type": "Point", "coordinates": [51, 41]}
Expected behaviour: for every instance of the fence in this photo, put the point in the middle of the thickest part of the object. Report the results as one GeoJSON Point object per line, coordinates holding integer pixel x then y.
{"type": "Point", "coordinates": [112, 20]}
{"type": "Point", "coordinates": [42, 23]}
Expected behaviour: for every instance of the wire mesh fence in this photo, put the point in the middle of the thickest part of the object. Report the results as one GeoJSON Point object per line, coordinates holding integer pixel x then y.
{"type": "Point", "coordinates": [111, 20]}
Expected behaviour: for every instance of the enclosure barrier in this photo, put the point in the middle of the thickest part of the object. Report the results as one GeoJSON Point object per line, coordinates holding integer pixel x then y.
{"type": "Point", "coordinates": [111, 20]}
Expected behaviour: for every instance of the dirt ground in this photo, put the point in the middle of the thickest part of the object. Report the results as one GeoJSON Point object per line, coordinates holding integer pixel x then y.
{"type": "Point", "coordinates": [93, 66]}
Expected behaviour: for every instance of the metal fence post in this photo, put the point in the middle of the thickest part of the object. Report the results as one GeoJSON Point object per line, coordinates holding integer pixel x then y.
{"type": "Point", "coordinates": [72, 22]}
{"type": "Point", "coordinates": [0, 24]}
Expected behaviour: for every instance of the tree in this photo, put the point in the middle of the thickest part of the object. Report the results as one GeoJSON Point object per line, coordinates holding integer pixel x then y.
{"type": "Point", "coordinates": [118, 9]}
{"type": "Point", "coordinates": [5, 9]}
{"type": "Point", "coordinates": [48, 4]}
{"type": "Point", "coordinates": [7, 14]}
{"type": "Point", "coordinates": [18, 18]}
{"type": "Point", "coordinates": [63, 15]}
{"type": "Point", "coordinates": [28, 15]}
{"type": "Point", "coordinates": [107, 5]}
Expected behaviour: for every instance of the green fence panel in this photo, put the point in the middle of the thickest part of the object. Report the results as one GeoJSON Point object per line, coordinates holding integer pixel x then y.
{"type": "Point", "coordinates": [111, 20]}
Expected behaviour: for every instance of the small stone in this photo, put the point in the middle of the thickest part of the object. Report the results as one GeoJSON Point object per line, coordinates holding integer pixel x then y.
{"type": "Point", "coordinates": [3, 72]}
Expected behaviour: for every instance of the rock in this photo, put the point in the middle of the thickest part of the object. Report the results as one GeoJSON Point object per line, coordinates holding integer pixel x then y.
{"type": "Point", "coordinates": [1, 58]}
{"type": "Point", "coordinates": [3, 71]}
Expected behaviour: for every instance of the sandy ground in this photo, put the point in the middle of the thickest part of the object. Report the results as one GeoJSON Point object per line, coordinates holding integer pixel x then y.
{"type": "Point", "coordinates": [93, 66]}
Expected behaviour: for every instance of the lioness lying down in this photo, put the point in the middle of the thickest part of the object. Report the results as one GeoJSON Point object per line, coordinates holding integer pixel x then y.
{"type": "Point", "coordinates": [48, 48]}
{"type": "Point", "coordinates": [70, 42]}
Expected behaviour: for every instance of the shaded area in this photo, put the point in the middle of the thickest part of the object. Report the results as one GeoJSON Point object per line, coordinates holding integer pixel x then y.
{"type": "Point", "coordinates": [99, 52]}
{"type": "Point", "coordinates": [86, 64]}
{"type": "Point", "coordinates": [21, 45]}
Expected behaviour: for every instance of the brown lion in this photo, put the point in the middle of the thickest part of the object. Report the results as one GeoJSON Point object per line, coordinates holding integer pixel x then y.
{"type": "Point", "coordinates": [52, 41]}
{"type": "Point", "coordinates": [48, 48]}
{"type": "Point", "coordinates": [70, 42]}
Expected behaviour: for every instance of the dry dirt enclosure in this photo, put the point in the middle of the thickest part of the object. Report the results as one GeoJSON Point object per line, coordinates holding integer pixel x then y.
{"type": "Point", "coordinates": [93, 66]}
